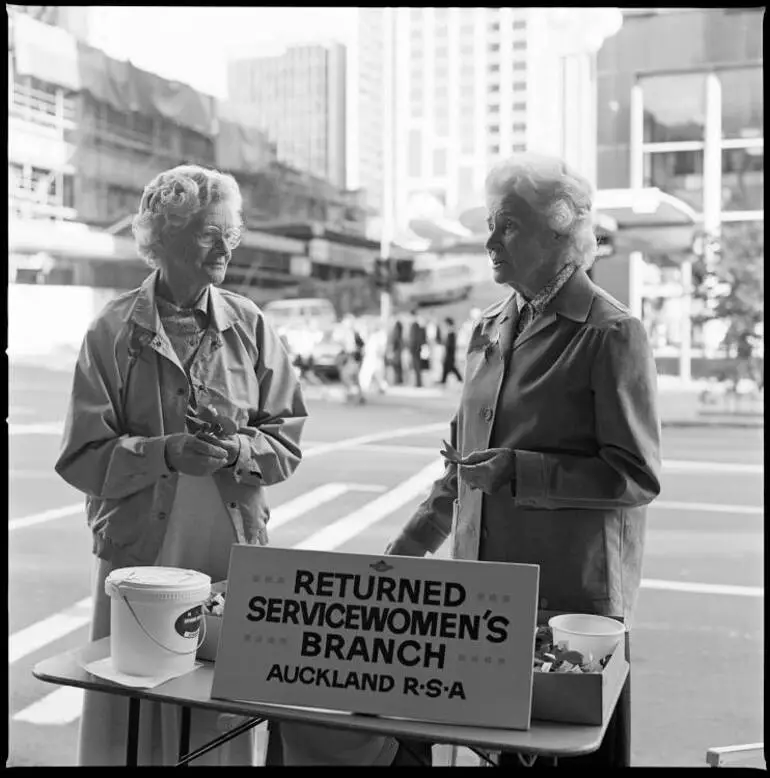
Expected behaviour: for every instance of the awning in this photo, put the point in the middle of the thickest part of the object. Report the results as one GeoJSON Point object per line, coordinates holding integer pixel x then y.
{"type": "Point", "coordinates": [68, 239]}
{"type": "Point", "coordinates": [647, 220]}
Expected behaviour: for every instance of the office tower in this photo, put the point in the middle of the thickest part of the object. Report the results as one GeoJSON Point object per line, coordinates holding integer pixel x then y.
{"type": "Point", "coordinates": [299, 97]}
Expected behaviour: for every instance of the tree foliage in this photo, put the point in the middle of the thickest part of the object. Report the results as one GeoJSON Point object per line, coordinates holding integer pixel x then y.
{"type": "Point", "coordinates": [734, 291]}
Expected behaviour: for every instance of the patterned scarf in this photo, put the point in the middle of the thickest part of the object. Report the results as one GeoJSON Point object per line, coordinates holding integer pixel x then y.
{"type": "Point", "coordinates": [529, 310]}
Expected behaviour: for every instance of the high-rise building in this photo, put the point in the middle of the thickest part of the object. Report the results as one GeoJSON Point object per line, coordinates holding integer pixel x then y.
{"type": "Point", "coordinates": [470, 85]}
{"type": "Point", "coordinates": [365, 104]}
{"type": "Point", "coordinates": [299, 97]}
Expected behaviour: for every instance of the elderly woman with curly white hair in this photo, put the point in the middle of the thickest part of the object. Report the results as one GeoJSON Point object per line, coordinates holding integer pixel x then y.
{"type": "Point", "coordinates": [555, 448]}
{"type": "Point", "coordinates": [155, 364]}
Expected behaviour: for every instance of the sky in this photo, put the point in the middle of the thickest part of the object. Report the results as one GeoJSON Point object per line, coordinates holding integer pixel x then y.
{"type": "Point", "coordinates": [193, 44]}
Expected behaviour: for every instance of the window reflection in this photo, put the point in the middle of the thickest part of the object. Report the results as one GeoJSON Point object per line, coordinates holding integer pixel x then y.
{"type": "Point", "coordinates": [678, 173]}
{"type": "Point", "coordinates": [674, 108]}
{"type": "Point", "coordinates": [742, 100]}
{"type": "Point", "coordinates": [743, 179]}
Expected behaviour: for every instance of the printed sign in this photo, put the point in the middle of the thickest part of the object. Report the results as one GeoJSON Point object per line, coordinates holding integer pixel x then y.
{"type": "Point", "coordinates": [188, 624]}
{"type": "Point", "coordinates": [432, 639]}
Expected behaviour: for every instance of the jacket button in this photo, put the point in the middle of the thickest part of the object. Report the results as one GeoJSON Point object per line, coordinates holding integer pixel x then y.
{"type": "Point", "coordinates": [162, 516]}
{"type": "Point", "coordinates": [233, 505]}
{"type": "Point", "coordinates": [488, 414]}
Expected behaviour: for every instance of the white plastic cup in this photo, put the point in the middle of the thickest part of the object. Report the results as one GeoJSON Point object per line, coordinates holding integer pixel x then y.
{"type": "Point", "coordinates": [593, 636]}
{"type": "Point", "coordinates": [155, 619]}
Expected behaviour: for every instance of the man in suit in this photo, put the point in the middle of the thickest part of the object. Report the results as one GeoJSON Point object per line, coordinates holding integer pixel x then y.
{"type": "Point", "coordinates": [450, 352]}
{"type": "Point", "coordinates": [557, 431]}
{"type": "Point", "coordinates": [417, 339]}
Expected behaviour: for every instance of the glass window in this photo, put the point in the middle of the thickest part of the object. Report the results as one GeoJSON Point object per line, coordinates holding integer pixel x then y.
{"type": "Point", "coordinates": [494, 88]}
{"type": "Point", "coordinates": [494, 129]}
{"type": "Point", "coordinates": [742, 101]}
{"type": "Point", "coordinates": [494, 47]}
{"type": "Point", "coordinates": [494, 27]}
{"type": "Point", "coordinates": [439, 162]}
{"type": "Point", "coordinates": [494, 149]}
{"type": "Point", "coordinates": [519, 127]}
{"type": "Point", "coordinates": [678, 173]}
{"type": "Point", "coordinates": [520, 65]}
{"type": "Point", "coordinates": [494, 68]}
{"type": "Point", "coordinates": [519, 45]}
{"type": "Point", "coordinates": [674, 107]}
{"type": "Point", "coordinates": [519, 147]}
{"type": "Point", "coordinates": [519, 106]}
{"type": "Point", "coordinates": [493, 108]}
{"type": "Point", "coordinates": [415, 153]}
{"type": "Point", "coordinates": [519, 86]}
{"type": "Point", "coordinates": [519, 24]}
{"type": "Point", "coordinates": [743, 179]}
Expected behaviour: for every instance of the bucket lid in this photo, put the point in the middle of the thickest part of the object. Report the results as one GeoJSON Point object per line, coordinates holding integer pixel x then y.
{"type": "Point", "coordinates": [153, 583]}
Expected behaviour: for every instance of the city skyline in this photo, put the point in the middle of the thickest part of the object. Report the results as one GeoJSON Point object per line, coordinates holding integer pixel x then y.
{"type": "Point", "coordinates": [144, 36]}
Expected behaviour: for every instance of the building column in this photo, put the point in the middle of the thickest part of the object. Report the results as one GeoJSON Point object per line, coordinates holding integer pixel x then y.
{"type": "Point", "coordinates": [636, 259]}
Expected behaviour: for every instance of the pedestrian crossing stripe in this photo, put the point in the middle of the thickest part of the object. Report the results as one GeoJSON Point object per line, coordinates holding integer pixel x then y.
{"type": "Point", "coordinates": [63, 706]}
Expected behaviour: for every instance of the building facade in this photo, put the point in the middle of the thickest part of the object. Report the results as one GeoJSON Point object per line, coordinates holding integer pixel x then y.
{"type": "Point", "coordinates": [300, 99]}
{"type": "Point", "coordinates": [87, 133]}
{"type": "Point", "coordinates": [686, 116]}
{"type": "Point", "coordinates": [466, 86]}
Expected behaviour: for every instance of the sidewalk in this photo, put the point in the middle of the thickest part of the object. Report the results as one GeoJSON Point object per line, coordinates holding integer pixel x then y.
{"type": "Point", "coordinates": [679, 405]}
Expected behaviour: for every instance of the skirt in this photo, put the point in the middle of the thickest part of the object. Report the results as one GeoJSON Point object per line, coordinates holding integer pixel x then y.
{"type": "Point", "coordinates": [199, 537]}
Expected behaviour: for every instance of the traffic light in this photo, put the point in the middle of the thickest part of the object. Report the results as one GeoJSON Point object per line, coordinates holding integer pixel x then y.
{"type": "Point", "coordinates": [382, 277]}
{"type": "Point", "coordinates": [404, 271]}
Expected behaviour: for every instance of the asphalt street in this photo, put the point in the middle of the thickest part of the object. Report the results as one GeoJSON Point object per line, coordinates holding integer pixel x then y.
{"type": "Point", "coordinates": [698, 637]}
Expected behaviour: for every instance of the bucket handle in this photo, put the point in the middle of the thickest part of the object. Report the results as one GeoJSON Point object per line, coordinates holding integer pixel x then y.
{"type": "Point", "coordinates": [201, 637]}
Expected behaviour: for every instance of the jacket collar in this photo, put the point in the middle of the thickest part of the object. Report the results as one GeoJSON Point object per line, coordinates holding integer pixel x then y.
{"type": "Point", "coordinates": [504, 306]}
{"type": "Point", "coordinates": [574, 299]}
{"type": "Point", "coordinates": [145, 311]}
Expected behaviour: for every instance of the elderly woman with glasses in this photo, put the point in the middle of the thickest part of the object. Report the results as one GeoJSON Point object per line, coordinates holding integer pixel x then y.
{"type": "Point", "coordinates": [555, 448]}
{"type": "Point", "coordinates": [158, 369]}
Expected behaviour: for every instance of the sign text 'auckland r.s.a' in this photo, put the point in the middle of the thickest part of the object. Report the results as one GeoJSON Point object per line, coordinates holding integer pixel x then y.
{"type": "Point", "coordinates": [387, 633]}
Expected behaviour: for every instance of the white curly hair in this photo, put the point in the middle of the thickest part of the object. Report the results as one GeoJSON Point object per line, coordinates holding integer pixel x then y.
{"type": "Point", "coordinates": [557, 192]}
{"type": "Point", "coordinates": [172, 200]}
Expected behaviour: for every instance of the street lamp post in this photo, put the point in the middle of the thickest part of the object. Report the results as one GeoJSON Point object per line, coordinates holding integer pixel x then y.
{"type": "Point", "coordinates": [388, 156]}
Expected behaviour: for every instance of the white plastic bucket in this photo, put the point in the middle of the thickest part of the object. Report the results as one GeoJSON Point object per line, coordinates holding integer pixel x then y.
{"type": "Point", "coordinates": [593, 636]}
{"type": "Point", "coordinates": [155, 618]}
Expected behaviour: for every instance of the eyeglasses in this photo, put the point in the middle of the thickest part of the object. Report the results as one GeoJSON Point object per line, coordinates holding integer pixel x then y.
{"type": "Point", "coordinates": [208, 237]}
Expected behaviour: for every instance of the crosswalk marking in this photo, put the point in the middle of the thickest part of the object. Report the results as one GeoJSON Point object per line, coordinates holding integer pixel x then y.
{"type": "Point", "coordinates": [34, 637]}
{"type": "Point", "coordinates": [46, 428]}
{"type": "Point", "coordinates": [313, 499]}
{"type": "Point", "coordinates": [339, 532]}
{"type": "Point", "coordinates": [703, 588]}
{"type": "Point", "coordinates": [707, 507]}
{"type": "Point", "coordinates": [696, 466]}
{"type": "Point", "coordinates": [44, 516]}
{"type": "Point", "coordinates": [60, 707]}
{"type": "Point", "coordinates": [63, 706]}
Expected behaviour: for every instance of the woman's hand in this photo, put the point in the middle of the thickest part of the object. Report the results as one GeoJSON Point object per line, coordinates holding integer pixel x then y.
{"type": "Point", "coordinates": [193, 455]}
{"type": "Point", "coordinates": [488, 470]}
{"type": "Point", "coordinates": [230, 443]}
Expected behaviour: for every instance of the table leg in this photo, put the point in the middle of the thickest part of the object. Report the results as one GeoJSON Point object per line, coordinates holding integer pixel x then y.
{"type": "Point", "coordinates": [184, 736]}
{"type": "Point", "coordinates": [132, 746]}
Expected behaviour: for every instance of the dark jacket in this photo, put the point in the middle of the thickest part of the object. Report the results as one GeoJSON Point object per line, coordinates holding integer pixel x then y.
{"type": "Point", "coordinates": [450, 347]}
{"type": "Point", "coordinates": [576, 399]}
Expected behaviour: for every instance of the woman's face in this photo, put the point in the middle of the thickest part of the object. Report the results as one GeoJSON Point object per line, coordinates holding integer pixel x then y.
{"type": "Point", "coordinates": [523, 251]}
{"type": "Point", "coordinates": [201, 252]}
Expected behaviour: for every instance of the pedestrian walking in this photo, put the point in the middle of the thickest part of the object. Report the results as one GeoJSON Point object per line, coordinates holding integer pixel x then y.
{"type": "Point", "coordinates": [396, 352]}
{"type": "Point", "coordinates": [555, 463]}
{"type": "Point", "coordinates": [351, 359]}
{"type": "Point", "coordinates": [160, 489]}
{"type": "Point", "coordinates": [373, 365]}
{"type": "Point", "coordinates": [417, 340]}
{"type": "Point", "coordinates": [449, 366]}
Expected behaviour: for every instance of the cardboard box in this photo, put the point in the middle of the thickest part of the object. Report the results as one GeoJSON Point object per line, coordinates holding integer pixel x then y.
{"type": "Point", "coordinates": [208, 649]}
{"type": "Point", "coordinates": [579, 698]}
